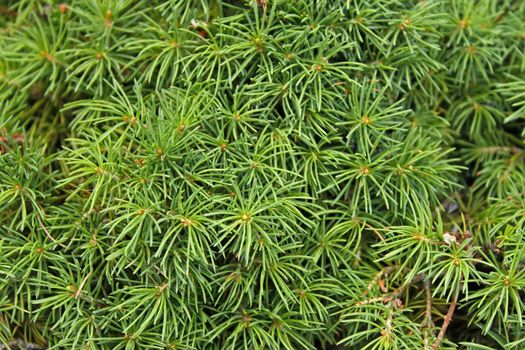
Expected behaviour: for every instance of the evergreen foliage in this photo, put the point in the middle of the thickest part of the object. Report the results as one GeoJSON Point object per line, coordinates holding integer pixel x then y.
{"type": "Point", "coordinates": [262, 174]}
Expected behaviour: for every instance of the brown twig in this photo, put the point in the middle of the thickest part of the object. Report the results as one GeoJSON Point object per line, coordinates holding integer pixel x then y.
{"type": "Point", "coordinates": [160, 271]}
{"type": "Point", "coordinates": [428, 324]}
{"type": "Point", "coordinates": [374, 230]}
{"type": "Point", "coordinates": [392, 298]}
{"type": "Point", "coordinates": [385, 270]}
{"type": "Point", "coordinates": [47, 232]}
{"type": "Point", "coordinates": [496, 149]}
{"type": "Point", "coordinates": [79, 290]}
{"type": "Point", "coordinates": [373, 301]}
{"type": "Point", "coordinates": [20, 344]}
{"type": "Point", "coordinates": [446, 322]}
{"type": "Point", "coordinates": [428, 306]}
{"type": "Point", "coordinates": [387, 332]}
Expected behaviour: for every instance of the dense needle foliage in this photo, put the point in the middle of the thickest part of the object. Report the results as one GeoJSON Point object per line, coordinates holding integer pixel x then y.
{"type": "Point", "coordinates": [263, 174]}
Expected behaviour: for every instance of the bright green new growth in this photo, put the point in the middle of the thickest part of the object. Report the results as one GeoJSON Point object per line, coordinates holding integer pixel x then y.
{"type": "Point", "coordinates": [266, 174]}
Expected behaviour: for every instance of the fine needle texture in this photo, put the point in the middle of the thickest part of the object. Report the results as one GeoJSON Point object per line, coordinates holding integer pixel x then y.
{"type": "Point", "coordinates": [262, 174]}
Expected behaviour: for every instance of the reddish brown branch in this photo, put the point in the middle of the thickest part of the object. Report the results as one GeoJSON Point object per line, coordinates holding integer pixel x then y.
{"type": "Point", "coordinates": [446, 322]}
{"type": "Point", "coordinates": [428, 305]}
{"type": "Point", "coordinates": [428, 324]}
{"type": "Point", "coordinates": [374, 230]}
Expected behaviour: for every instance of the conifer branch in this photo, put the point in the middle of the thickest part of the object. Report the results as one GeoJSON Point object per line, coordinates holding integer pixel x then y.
{"type": "Point", "coordinates": [211, 174]}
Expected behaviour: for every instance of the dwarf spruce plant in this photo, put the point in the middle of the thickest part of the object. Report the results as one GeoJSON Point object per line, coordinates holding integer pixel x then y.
{"type": "Point", "coordinates": [262, 174]}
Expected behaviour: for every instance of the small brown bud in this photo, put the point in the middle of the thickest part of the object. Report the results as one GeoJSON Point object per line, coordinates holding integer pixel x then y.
{"type": "Point", "coordinates": [46, 55]}
{"type": "Point", "coordinates": [404, 25]}
{"type": "Point", "coordinates": [507, 282]}
{"type": "Point", "coordinates": [107, 18]}
{"type": "Point", "coordinates": [365, 170]}
{"type": "Point", "coordinates": [62, 8]}
{"type": "Point", "coordinates": [471, 50]}
{"type": "Point", "coordinates": [186, 222]}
